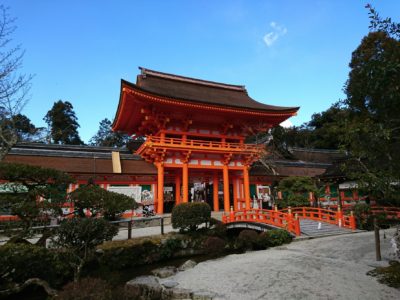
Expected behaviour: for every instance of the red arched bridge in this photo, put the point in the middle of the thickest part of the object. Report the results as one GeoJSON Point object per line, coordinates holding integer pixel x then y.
{"type": "Point", "coordinates": [288, 219]}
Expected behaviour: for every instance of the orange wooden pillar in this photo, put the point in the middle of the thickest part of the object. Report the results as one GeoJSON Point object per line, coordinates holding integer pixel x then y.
{"type": "Point", "coordinates": [177, 189]}
{"type": "Point", "coordinates": [185, 183]}
{"type": "Point", "coordinates": [226, 187]}
{"type": "Point", "coordinates": [160, 187]}
{"type": "Point", "coordinates": [246, 185]}
{"type": "Point", "coordinates": [215, 192]}
{"type": "Point", "coordinates": [235, 194]}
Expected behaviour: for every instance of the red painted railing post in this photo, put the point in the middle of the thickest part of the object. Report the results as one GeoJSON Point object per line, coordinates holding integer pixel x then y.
{"type": "Point", "coordinates": [223, 218]}
{"type": "Point", "coordinates": [352, 221]}
{"type": "Point", "coordinates": [289, 217]}
{"type": "Point", "coordinates": [297, 226]}
{"type": "Point", "coordinates": [304, 212]}
{"type": "Point", "coordinates": [232, 215]}
{"type": "Point", "coordinates": [339, 217]}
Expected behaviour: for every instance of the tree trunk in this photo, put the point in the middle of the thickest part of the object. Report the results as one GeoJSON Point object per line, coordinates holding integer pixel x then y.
{"type": "Point", "coordinates": [377, 241]}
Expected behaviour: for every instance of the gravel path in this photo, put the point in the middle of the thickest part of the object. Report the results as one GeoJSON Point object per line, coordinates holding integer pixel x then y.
{"type": "Point", "coordinates": [325, 268]}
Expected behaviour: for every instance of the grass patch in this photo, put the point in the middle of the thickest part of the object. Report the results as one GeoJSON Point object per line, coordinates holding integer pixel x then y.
{"type": "Point", "coordinates": [389, 275]}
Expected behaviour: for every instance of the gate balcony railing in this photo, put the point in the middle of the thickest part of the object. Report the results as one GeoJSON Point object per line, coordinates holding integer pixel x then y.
{"type": "Point", "coordinates": [201, 145]}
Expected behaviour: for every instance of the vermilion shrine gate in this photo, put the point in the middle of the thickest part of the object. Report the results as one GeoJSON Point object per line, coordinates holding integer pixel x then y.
{"type": "Point", "coordinates": [196, 129]}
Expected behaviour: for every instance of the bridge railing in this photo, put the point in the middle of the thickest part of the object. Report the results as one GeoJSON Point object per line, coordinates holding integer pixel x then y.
{"type": "Point", "coordinates": [271, 217]}
{"type": "Point", "coordinates": [391, 213]}
{"type": "Point", "coordinates": [324, 215]}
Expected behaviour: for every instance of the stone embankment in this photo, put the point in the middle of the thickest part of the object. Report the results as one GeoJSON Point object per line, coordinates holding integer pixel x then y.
{"type": "Point", "coordinates": [158, 286]}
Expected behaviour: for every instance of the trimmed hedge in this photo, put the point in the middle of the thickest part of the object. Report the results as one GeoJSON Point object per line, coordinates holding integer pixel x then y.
{"type": "Point", "coordinates": [246, 240]}
{"type": "Point", "coordinates": [188, 216]}
{"type": "Point", "coordinates": [272, 238]}
{"type": "Point", "coordinates": [20, 262]}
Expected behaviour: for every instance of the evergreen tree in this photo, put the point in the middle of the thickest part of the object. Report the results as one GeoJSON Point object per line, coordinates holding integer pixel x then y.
{"type": "Point", "coordinates": [63, 124]}
{"type": "Point", "coordinates": [108, 138]}
{"type": "Point", "coordinates": [373, 97]}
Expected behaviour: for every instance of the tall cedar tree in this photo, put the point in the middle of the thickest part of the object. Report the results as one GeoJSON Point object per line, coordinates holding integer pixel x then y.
{"type": "Point", "coordinates": [63, 124]}
{"type": "Point", "coordinates": [107, 138]}
{"type": "Point", "coordinates": [14, 86]}
{"type": "Point", "coordinates": [373, 97]}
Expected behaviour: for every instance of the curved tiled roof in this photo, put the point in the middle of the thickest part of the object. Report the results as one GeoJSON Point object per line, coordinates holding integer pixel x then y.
{"type": "Point", "coordinates": [200, 91]}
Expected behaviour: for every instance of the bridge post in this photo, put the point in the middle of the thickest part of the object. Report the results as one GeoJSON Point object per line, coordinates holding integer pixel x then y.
{"type": "Point", "coordinates": [289, 216]}
{"type": "Point", "coordinates": [339, 216]}
{"type": "Point", "coordinates": [232, 215]}
{"type": "Point", "coordinates": [224, 218]}
{"type": "Point", "coordinates": [296, 226]}
{"type": "Point", "coordinates": [352, 221]}
{"type": "Point", "coordinates": [274, 213]}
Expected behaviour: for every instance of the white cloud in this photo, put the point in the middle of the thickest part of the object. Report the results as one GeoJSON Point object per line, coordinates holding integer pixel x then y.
{"type": "Point", "coordinates": [277, 31]}
{"type": "Point", "coordinates": [286, 124]}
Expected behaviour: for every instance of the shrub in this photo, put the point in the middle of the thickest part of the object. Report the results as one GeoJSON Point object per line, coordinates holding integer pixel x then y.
{"type": "Point", "coordinates": [82, 235]}
{"type": "Point", "coordinates": [100, 201]}
{"type": "Point", "coordinates": [20, 262]}
{"type": "Point", "coordinates": [87, 288]}
{"type": "Point", "coordinates": [274, 237]}
{"type": "Point", "coordinates": [214, 245]}
{"type": "Point", "coordinates": [188, 216]}
{"type": "Point", "coordinates": [169, 247]}
{"type": "Point", "coordinates": [362, 213]}
{"type": "Point", "coordinates": [246, 240]}
{"type": "Point", "coordinates": [294, 200]}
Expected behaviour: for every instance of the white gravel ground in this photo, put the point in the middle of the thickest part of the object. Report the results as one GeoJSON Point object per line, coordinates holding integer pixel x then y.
{"type": "Point", "coordinates": [325, 268]}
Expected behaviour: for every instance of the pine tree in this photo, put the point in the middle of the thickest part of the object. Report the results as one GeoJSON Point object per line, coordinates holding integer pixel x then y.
{"type": "Point", "coordinates": [108, 138]}
{"type": "Point", "coordinates": [63, 124]}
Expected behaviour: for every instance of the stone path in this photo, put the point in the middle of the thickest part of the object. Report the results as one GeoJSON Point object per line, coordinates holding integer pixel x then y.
{"type": "Point", "coordinates": [332, 267]}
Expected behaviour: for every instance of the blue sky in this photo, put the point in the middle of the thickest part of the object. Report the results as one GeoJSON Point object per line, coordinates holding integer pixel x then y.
{"type": "Point", "coordinates": [288, 53]}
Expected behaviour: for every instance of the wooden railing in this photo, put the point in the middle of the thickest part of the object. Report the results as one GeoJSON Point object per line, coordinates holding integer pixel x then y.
{"type": "Point", "coordinates": [200, 144]}
{"type": "Point", "coordinates": [335, 217]}
{"type": "Point", "coordinates": [391, 213]}
{"type": "Point", "coordinates": [271, 217]}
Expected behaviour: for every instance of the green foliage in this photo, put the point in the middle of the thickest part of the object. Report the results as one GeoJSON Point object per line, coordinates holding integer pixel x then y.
{"type": "Point", "coordinates": [87, 288]}
{"type": "Point", "coordinates": [385, 25]}
{"type": "Point", "coordinates": [107, 138]}
{"type": "Point", "coordinates": [188, 216]}
{"type": "Point", "coordinates": [389, 275]}
{"type": "Point", "coordinates": [295, 191]}
{"type": "Point", "coordinates": [218, 229]}
{"type": "Point", "coordinates": [82, 235]}
{"type": "Point", "coordinates": [26, 184]}
{"type": "Point", "coordinates": [362, 213]}
{"type": "Point", "coordinates": [272, 238]}
{"type": "Point", "coordinates": [63, 124]}
{"type": "Point", "coordinates": [117, 255]}
{"type": "Point", "coordinates": [373, 94]}
{"type": "Point", "coordinates": [214, 245]}
{"type": "Point", "coordinates": [322, 132]}
{"type": "Point", "coordinates": [246, 240]}
{"type": "Point", "coordinates": [100, 201]}
{"type": "Point", "coordinates": [20, 262]}
{"type": "Point", "coordinates": [169, 247]}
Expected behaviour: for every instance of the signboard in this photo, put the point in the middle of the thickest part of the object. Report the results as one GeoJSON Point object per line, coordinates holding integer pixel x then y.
{"type": "Point", "coordinates": [348, 185]}
{"type": "Point", "coordinates": [134, 192]}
